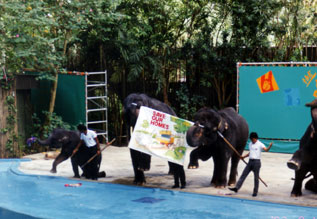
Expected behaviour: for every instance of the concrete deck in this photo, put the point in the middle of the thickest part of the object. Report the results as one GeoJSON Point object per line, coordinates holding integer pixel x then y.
{"type": "Point", "coordinates": [117, 164]}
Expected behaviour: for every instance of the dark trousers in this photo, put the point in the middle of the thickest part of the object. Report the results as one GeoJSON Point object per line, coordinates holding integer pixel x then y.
{"type": "Point", "coordinates": [253, 165]}
{"type": "Point", "coordinates": [92, 168]}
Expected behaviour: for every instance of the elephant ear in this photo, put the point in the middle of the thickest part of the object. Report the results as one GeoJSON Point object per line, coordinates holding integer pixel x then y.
{"type": "Point", "coordinates": [313, 111]}
{"type": "Point", "coordinates": [314, 117]}
{"type": "Point", "coordinates": [223, 125]}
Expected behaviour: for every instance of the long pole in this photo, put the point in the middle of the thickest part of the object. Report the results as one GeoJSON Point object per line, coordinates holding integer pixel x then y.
{"type": "Point", "coordinates": [93, 157]}
{"type": "Point", "coordinates": [230, 145]}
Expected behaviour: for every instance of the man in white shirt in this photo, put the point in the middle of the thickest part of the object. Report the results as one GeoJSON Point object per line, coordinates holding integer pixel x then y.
{"type": "Point", "coordinates": [254, 164]}
{"type": "Point", "coordinates": [90, 139]}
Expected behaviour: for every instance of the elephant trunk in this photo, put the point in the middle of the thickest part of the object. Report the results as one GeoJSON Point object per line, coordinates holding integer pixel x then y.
{"type": "Point", "coordinates": [44, 142]}
{"type": "Point", "coordinates": [295, 162]}
{"type": "Point", "coordinates": [193, 137]}
{"type": "Point", "coordinates": [294, 165]}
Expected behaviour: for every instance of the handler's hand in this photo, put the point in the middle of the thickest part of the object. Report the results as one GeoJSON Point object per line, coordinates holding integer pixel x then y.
{"type": "Point", "coordinates": [98, 152]}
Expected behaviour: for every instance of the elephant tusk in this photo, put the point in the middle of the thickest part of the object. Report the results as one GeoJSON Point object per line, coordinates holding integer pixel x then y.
{"type": "Point", "coordinates": [201, 126]}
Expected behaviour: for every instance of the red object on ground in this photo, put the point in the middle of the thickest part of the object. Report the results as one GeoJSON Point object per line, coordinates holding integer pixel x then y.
{"type": "Point", "coordinates": [73, 185]}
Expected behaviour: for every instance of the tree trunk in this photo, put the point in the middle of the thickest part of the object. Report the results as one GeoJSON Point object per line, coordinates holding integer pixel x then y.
{"type": "Point", "coordinates": [53, 94]}
{"type": "Point", "coordinates": [5, 134]}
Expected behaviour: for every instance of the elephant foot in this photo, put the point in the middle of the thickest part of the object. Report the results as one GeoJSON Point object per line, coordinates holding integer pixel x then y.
{"type": "Point", "coordinates": [76, 176]}
{"type": "Point", "coordinates": [53, 171]}
{"type": "Point", "coordinates": [293, 165]}
{"type": "Point", "coordinates": [139, 183]}
{"type": "Point", "coordinates": [296, 195]}
{"type": "Point", "coordinates": [218, 185]}
{"type": "Point", "coordinates": [193, 166]}
{"type": "Point", "coordinates": [231, 182]}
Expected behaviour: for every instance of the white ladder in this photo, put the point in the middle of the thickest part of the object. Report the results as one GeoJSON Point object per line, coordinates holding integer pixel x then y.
{"type": "Point", "coordinates": [96, 102]}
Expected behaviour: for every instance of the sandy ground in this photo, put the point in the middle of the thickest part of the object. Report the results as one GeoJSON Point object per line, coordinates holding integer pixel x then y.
{"type": "Point", "coordinates": [116, 162]}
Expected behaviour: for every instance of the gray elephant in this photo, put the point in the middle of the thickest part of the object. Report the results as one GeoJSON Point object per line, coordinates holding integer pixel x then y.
{"type": "Point", "coordinates": [304, 160]}
{"type": "Point", "coordinates": [67, 141]}
{"type": "Point", "coordinates": [141, 162]}
{"type": "Point", "coordinates": [205, 134]}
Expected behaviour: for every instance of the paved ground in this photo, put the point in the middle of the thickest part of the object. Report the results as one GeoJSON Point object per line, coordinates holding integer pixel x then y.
{"type": "Point", "coordinates": [117, 164]}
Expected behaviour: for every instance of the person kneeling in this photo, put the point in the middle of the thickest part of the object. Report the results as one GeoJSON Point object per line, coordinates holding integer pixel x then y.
{"type": "Point", "coordinates": [90, 139]}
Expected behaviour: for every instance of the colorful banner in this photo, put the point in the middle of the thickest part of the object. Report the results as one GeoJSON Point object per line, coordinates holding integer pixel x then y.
{"type": "Point", "coordinates": [160, 134]}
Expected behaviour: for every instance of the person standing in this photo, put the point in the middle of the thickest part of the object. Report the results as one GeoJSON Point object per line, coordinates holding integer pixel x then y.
{"type": "Point", "coordinates": [90, 139]}
{"type": "Point", "coordinates": [254, 164]}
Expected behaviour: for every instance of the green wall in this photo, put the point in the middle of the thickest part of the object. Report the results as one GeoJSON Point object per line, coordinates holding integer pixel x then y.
{"type": "Point", "coordinates": [70, 98]}
{"type": "Point", "coordinates": [279, 114]}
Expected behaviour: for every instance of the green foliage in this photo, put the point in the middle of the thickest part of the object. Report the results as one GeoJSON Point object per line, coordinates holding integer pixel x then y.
{"type": "Point", "coordinates": [189, 103]}
{"type": "Point", "coordinates": [153, 42]}
{"type": "Point", "coordinates": [10, 127]}
{"type": "Point", "coordinates": [39, 129]}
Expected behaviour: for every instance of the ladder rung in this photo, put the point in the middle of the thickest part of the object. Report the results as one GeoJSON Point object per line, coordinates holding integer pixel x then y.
{"type": "Point", "coordinates": [95, 122]}
{"type": "Point", "coordinates": [96, 73]}
{"type": "Point", "coordinates": [94, 110]}
{"type": "Point", "coordinates": [100, 97]}
{"type": "Point", "coordinates": [96, 85]}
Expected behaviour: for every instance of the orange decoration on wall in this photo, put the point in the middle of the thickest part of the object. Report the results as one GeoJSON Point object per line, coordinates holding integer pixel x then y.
{"type": "Point", "coordinates": [267, 83]}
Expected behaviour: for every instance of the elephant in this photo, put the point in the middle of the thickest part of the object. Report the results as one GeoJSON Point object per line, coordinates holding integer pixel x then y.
{"type": "Point", "coordinates": [67, 141]}
{"type": "Point", "coordinates": [304, 160]}
{"type": "Point", "coordinates": [208, 133]}
{"type": "Point", "coordinates": [141, 162]}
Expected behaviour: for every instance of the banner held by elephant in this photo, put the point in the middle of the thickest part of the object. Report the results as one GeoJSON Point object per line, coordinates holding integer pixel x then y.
{"type": "Point", "coordinates": [160, 134]}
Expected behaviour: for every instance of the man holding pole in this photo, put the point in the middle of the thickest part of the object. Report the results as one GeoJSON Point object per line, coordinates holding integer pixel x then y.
{"type": "Point", "coordinates": [90, 139]}
{"type": "Point", "coordinates": [254, 164]}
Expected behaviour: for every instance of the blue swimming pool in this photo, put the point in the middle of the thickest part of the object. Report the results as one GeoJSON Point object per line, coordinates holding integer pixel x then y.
{"type": "Point", "coordinates": [47, 197]}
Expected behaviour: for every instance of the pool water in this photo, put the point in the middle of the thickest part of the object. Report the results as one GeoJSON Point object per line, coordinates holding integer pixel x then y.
{"type": "Point", "coordinates": [48, 197]}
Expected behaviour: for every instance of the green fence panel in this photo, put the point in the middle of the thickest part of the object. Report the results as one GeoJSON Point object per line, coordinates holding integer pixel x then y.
{"type": "Point", "coordinates": [272, 99]}
{"type": "Point", "coordinates": [70, 98]}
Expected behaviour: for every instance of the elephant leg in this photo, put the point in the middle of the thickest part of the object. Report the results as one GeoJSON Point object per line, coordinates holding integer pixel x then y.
{"type": "Point", "coordinates": [234, 170]}
{"type": "Point", "coordinates": [75, 167]}
{"type": "Point", "coordinates": [299, 177]}
{"type": "Point", "coordinates": [139, 177]}
{"type": "Point", "coordinates": [202, 152]}
{"type": "Point", "coordinates": [145, 162]}
{"type": "Point", "coordinates": [170, 169]}
{"type": "Point", "coordinates": [60, 158]}
{"type": "Point", "coordinates": [215, 175]}
{"type": "Point", "coordinates": [219, 180]}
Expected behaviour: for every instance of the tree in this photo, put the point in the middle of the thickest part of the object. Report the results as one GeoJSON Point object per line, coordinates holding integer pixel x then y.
{"type": "Point", "coordinates": [36, 35]}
